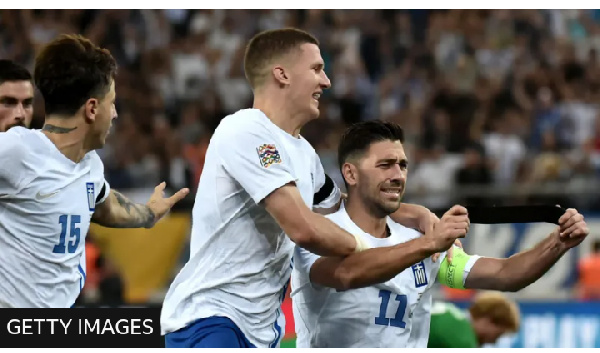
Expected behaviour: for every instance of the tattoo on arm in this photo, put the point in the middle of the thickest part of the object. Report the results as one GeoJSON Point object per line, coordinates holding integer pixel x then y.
{"type": "Point", "coordinates": [123, 213]}
{"type": "Point", "coordinates": [57, 129]}
{"type": "Point", "coordinates": [139, 215]}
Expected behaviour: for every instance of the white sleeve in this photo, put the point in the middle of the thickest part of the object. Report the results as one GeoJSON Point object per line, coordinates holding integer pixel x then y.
{"type": "Point", "coordinates": [319, 174]}
{"type": "Point", "coordinates": [103, 193]}
{"type": "Point", "coordinates": [327, 193]}
{"type": "Point", "coordinates": [12, 163]}
{"type": "Point", "coordinates": [304, 259]}
{"type": "Point", "coordinates": [100, 183]}
{"type": "Point", "coordinates": [254, 158]}
{"type": "Point", "coordinates": [469, 266]}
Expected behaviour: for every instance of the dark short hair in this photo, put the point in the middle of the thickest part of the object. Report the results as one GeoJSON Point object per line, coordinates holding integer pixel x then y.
{"type": "Point", "coordinates": [358, 138]}
{"type": "Point", "coordinates": [270, 45]}
{"type": "Point", "coordinates": [10, 71]}
{"type": "Point", "coordinates": [70, 70]}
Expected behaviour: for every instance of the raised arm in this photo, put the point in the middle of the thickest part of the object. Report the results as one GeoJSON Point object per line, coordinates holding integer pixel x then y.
{"type": "Point", "coordinates": [117, 211]}
{"type": "Point", "coordinates": [520, 270]}
{"type": "Point", "coordinates": [381, 264]}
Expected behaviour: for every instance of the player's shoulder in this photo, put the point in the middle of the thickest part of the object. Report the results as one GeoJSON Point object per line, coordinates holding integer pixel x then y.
{"type": "Point", "coordinates": [242, 122]}
{"type": "Point", "coordinates": [17, 134]}
{"type": "Point", "coordinates": [398, 229]}
{"type": "Point", "coordinates": [94, 159]}
{"type": "Point", "coordinates": [20, 142]}
{"type": "Point", "coordinates": [341, 218]}
{"type": "Point", "coordinates": [337, 216]}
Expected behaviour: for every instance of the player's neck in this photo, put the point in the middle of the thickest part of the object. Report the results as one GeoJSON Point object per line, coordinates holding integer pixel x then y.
{"type": "Point", "coordinates": [68, 138]}
{"type": "Point", "coordinates": [365, 219]}
{"type": "Point", "coordinates": [276, 110]}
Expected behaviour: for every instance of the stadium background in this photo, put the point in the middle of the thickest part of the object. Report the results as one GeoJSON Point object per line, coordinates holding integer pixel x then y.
{"type": "Point", "coordinates": [500, 107]}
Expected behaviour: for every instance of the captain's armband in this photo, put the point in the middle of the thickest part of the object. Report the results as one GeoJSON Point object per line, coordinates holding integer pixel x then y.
{"type": "Point", "coordinates": [453, 275]}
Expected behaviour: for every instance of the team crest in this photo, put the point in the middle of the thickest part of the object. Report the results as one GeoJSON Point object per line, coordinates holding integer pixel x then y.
{"type": "Point", "coordinates": [420, 274]}
{"type": "Point", "coordinates": [91, 196]}
{"type": "Point", "coordinates": [268, 155]}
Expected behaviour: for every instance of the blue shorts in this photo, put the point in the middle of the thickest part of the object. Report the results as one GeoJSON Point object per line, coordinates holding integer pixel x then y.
{"type": "Point", "coordinates": [211, 332]}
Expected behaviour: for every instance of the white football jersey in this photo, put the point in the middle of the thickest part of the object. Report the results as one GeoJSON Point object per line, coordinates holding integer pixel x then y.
{"type": "Point", "coordinates": [46, 203]}
{"type": "Point", "coordinates": [394, 314]}
{"type": "Point", "coordinates": [240, 259]}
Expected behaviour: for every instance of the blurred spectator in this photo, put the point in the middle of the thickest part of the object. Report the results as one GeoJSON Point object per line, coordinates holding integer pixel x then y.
{"type": "Point", "coordinates": [588, 286]}
{"type": "Point", "coordinates": [524, 84]}
{"type": "Point", "coordinates": [505, 102]}
{"type": "Point", "coordinates": [506, 148]}
{"type": "Point", "coordinates": [111, 290]}
{"type": "Point", "coordinates": [433, 177]}
{"type": "Point", "coordinates": [475, 171]}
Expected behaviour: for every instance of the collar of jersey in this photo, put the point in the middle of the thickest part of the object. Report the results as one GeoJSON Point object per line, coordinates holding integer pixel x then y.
{"type": "Point", "coordinates": [353, 228]}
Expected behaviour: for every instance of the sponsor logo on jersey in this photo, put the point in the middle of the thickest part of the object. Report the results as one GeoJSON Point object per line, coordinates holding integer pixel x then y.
{"type": "Point", "coordinates": [39, 196]}
{"type": "Point", "coordinates": [420, 274]}
{"type": "Point", "coordinates": [91, 196]}
{"type": "Point", "coordinates": [268, 155]}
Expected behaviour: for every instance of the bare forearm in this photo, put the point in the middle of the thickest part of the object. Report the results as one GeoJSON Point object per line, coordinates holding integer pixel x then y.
{"type": "Point", "coordinates": [520, 270]}
{"type": "Point", "coordinates": [409, 215]}
{"type": "Point", "coordinates": [381, 264]}
{"type": "Point", "coordinates": [325, 238]}
{"type": "Point", "coordinates": [120, 212]}
{"type": "Point", "coordinates": [525, 268]}
{"type": "Point", "coordinates": [371, 266]}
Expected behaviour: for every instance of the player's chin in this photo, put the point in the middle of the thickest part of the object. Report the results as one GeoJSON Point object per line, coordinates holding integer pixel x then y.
{"type": "Point", "coordinates": [102, 141]}
{"type": "Point", "coordinates": [390, 206]}
{"type": "Point", "coordinates": [315, 111]}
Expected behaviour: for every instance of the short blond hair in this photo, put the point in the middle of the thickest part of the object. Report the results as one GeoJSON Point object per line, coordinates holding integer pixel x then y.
{"type": "Point", "coordinates": [267, 46]}
{"type": "Point", "coordinates": [498, 308]}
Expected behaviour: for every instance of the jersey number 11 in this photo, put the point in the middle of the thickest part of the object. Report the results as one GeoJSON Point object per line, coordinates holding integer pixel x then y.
{"type": "Point", "coordinates": [397, 321]}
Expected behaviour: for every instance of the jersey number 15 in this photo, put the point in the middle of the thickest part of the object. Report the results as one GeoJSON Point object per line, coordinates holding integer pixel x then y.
{"type": "Point", "coordinates": [74, 234]}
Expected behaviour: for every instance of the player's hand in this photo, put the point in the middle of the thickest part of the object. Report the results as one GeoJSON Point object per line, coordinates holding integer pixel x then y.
{"type": "Point", "coordinates": [449, 253]}
{"type": "Point", "coordinates": [160, 205]}
{"type": "Point", "coordinates": [453, 224]}
{"type": "Point", "coordinates": [572, 228]}
{"type": "Point", "coordinates": [427, 221]}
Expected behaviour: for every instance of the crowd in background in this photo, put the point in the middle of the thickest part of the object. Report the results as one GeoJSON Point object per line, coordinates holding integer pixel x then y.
{"type": "Point", "coordinates": [502, 98]}
{"type": "Point", "coordinates": [498, 106]}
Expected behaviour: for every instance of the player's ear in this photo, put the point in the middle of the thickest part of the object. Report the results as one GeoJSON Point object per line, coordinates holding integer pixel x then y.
{"type": "Point", "coordinates": [281, 76]}
{"type": "Point", "coordinates": [90, 108]}
{"type": "Point", "coordinates": [350, 173]}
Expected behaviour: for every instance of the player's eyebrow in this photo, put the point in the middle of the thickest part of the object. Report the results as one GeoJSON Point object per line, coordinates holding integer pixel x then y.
{"type": "Point", "coordinates": [14, 100]}
{"type": "Point", "coordinates": [392, 160]}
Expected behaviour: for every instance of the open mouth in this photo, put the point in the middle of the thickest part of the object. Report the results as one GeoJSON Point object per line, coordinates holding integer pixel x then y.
{"type": "Point", "coordinates": [392, 192]}
{"type": "Point", "coordinates": [316, 97]}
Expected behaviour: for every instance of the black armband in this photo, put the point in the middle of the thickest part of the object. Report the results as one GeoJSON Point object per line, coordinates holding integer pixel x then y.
{"type": "Point", "coordinates": [515, 214]}
{"type": "Point", "coordinates": [325, 191]}
{"type": "Point", "coordinates": [101, 193]}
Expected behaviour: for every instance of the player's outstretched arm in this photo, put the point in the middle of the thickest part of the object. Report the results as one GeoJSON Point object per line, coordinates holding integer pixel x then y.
{"type": "Point", "coordinates": [381, 264]}
{"type": "Point", "coordinates": [520, 270]}
{"type": "Point", "coordinates": [117, 211]}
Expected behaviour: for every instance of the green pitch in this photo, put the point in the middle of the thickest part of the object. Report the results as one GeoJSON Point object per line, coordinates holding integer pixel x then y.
{"type": "Point", "coordinates": [288, 343]}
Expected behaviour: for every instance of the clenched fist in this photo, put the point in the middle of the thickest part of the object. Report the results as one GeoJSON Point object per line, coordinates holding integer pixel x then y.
{"type": "Point", "coordinates": [454, 224]}
{"type": "Point", "coordinates": [572, 228]}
